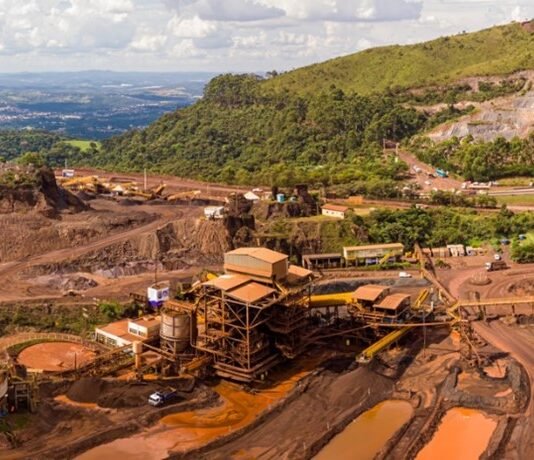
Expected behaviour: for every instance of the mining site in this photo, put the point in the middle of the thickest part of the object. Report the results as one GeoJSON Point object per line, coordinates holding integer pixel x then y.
{"type": "Point", "coordinates": [168, 320]}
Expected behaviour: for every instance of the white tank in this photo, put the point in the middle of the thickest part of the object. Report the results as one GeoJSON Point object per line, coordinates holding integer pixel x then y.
{"type": "Point", "coordinates": [175, 329]}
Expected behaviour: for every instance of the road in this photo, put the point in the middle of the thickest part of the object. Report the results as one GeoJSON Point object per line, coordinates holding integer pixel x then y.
{"type": "Point", "coordinates": [422, 178]}
{"type": "Point", "coordinates": [174, 184]}
{"type": "Point", "coordinates": [519, 344]}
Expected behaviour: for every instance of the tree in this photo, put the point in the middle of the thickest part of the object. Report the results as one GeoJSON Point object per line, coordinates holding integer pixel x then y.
{"type": "Point", "coordinates": [32, 158]}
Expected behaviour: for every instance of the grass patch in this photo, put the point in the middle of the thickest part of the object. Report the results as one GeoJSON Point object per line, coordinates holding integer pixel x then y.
{"type": "Point", "coordinates": [83, 145]}
{"type": "Point", "coordinates": [14, 422]}
{"type": "Point", "coordinates": [518, 200]}
{"type": "Point", "coordinates": [516, 182]}
{"type": "Point", "coordinates": [495, 51]}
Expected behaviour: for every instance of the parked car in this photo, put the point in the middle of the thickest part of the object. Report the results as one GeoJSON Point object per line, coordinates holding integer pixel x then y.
{"type": "Point", "coordinates": [404, 275]}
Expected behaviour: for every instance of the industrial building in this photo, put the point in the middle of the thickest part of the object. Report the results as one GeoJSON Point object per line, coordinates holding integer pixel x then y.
{"type": "Point", "coordinates": [373, 254]}
{"type": "Point", "coordinates": [257, 263]}
{"type": "Point", "coordinates": [323, 261]}
{"type": "Point", "coordinates": [127, 331]}
{"type": "Point", "coordinates": [334, 210]}
{"type": "Point", "coordinates": [247, 323]}
{"type": "Point", "coordinates": [260, 311]}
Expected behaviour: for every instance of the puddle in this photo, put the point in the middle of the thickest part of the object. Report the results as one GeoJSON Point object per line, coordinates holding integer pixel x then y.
{"type": "Point", "coordinates": [462, 434]}
{"type": "Point", "coordinates": [367, 434]}
{"type": "Point", "coordinates": [187, 430]}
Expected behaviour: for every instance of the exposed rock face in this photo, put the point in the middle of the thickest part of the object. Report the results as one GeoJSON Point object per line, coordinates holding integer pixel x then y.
{"type": "Point", "coordinates": [507, 117]}
{"type": "Point", "coordinates": [25, 189]}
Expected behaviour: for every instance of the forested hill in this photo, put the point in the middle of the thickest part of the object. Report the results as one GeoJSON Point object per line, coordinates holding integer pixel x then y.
{"type": "Point", "coordinates": [499, 50]}
{"type": "Point", "coordinates": [325, 123]}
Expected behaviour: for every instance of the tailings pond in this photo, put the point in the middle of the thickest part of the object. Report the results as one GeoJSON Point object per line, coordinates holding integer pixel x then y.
{"type": "Point", "coordinates": [368, 434]}
{"type": "Point", "coordinates": [463, 433]}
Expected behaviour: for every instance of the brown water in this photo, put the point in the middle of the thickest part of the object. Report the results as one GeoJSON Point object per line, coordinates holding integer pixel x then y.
{"type": "Point", "coordinates": [187, 430]}
{"type": "Point", "coordinates": [463, 434]}
{"type": "Point", "coordinates": [368, 433]}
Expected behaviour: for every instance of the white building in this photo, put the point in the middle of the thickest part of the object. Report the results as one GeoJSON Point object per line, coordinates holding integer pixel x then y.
{"type": "Point", "coordinates": [214, 212]}
{"type": "Point", "coordinates": [334, 210]}
{"type": "Point", "coordinates": [126, 331]}
{"type": "Point", "coordinates": [251, 196]}
{"type": "Point", "coordinates": [158, 293]}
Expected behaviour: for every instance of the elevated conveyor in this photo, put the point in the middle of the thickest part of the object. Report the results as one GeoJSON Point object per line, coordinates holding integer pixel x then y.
{"type": "Point", "coordinates": [331, 300]}
{"type": "Point", "coordinates": [369, 353]}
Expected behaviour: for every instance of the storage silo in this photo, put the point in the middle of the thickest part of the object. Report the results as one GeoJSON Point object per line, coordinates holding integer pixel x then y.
{"type": "Point", "coordinates": [175, 330]}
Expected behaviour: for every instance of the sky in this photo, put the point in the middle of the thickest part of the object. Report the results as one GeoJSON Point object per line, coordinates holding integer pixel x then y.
{"type": "Point", "coordinates": [225, 35]}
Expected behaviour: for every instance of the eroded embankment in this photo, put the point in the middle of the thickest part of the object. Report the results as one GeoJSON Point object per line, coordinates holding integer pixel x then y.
{"type": "Point", "coordinates": [179, 244]}
{"type": "Point", "coordinates": [425, 425]}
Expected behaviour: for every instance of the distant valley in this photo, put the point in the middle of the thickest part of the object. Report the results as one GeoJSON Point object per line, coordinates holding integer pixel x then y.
{"type": "Point", "coordinates": [94, 104]}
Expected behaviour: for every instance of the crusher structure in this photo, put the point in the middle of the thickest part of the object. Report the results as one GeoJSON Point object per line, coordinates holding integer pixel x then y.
{"type": "Point", "coordinates": [255, 314]}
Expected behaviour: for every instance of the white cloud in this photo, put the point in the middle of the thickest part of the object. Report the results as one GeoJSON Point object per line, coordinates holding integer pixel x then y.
{"type": "Point", "coordinates": [223, 35]}
{"type": "Point", "coordinates": [228, 10]}
{"type": "Point", "coordinates": [351, 10]}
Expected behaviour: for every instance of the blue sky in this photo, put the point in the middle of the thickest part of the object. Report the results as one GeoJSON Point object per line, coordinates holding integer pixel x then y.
{"type": "Point", "coordinates": [225, 35]}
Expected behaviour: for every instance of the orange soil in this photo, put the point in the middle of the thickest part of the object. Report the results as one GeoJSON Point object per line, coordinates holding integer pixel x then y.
{"type": "Point", "coordinates": [55, 356]}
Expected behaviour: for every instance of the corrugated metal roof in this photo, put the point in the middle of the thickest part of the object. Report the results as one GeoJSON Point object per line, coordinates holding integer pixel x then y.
{"type": "Point", "coordinates": [147, 321]}
{"type": "Point", "coordinates": [335, 207]}
{"type": "Point", "coordinates": [375, 246]}
{"type": "Point", "coordinates": [299, 272]}
{"type": "Point", "coordinates": [393, 301]}
{"type": "Point", "coordinates": [254, 272]}
{"type": "Point", "coordinates": [228, 282]}
{"type": "Point", "coordinates": [370, 292]}
{"type": "Point", "coordinates": [264, 254]}
{"type": "Point", "coordinates": [251, 292]}
{"type": "Point", "coordinates": [322, 256]}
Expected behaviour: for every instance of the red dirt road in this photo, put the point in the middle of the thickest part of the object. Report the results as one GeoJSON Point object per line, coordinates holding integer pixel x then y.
{"type": "Point", "coordinates": [518, 343]}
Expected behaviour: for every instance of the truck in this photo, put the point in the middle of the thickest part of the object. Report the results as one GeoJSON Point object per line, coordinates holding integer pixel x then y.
{"type": "Point", "coordinates": [496, 265]}
{"type": "Point", "coordinates": [159, 398]}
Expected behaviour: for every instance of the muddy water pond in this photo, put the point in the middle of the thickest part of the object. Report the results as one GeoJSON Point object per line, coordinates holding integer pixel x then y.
{"type": "Point", "coordinates": [462, 433]}
{"type": "Point", "coordinates": [367, 434]}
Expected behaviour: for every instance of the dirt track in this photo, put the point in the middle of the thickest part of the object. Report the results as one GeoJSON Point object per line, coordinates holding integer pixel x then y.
{"type": "Point", "coordinates": [174, 184]}
{"type": "Point", "coordinates": [519, 344]}
{"type": "Point", "coordinates": [9, 272]}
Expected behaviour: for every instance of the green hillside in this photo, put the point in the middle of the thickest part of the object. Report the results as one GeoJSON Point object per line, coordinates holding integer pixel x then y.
{"type": "Point", "coordinates": [496, 51]}
{"type": "Point", "coordinates": [325, 124]}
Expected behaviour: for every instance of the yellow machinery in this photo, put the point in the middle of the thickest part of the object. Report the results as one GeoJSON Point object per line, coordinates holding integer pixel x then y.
{"type": "Point", "coordinates": [146, 195]}
{"type": "Point", "coordinates": [384, 260]}
{"type": "Point", "coordinates": [331, 300]}
{"type": "Point", "coordinates": [369, 353]}
{"type": "Point", "coordinates": [190, 194]}
{"type": "Point", "coordinates": [159, 189]}
{"type": "Point", "coordinates": [84, 183]}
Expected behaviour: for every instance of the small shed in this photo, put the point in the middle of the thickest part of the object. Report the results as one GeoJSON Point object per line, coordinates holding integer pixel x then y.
{"type": "Point", "coordinates": [334, 210]}
{"type": "Point", "coordinates": [393, 305]}
{"type": "Point", "coordinates": [370, 294]}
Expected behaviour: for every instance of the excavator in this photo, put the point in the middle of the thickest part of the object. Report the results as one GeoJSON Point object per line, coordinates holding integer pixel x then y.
{"type": "Point", "coordinates": [90, 183]}
{"type": "Point", "coordinates": [190, 194]}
